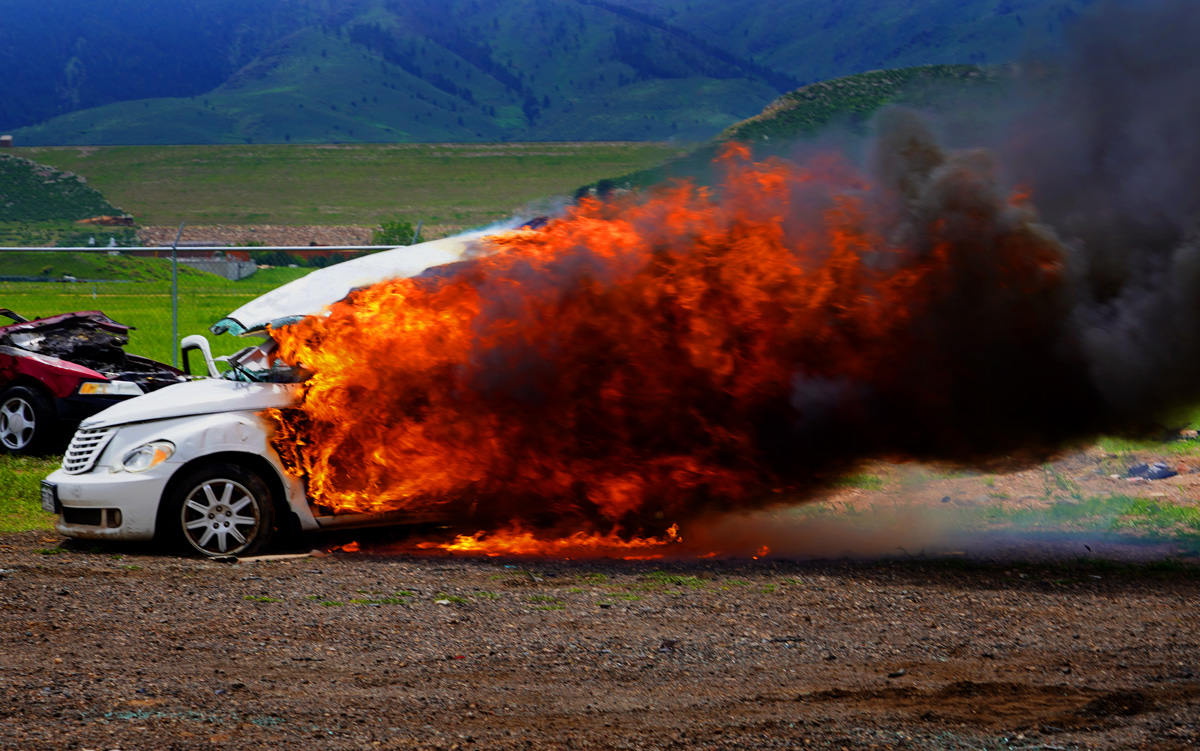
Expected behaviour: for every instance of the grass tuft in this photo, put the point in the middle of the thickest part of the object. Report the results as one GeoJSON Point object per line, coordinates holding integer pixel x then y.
{"type": "Point", "coordinates": [20, 493]}
{"type": "Point", "coordinates": [679, 580]}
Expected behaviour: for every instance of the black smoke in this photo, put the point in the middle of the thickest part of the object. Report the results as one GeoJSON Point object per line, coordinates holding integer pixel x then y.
{"type": "Point", "coordinates": [1114, 166]}
{"type": "Point", "coordinates": [1111, 163]}
{"type": "Point", "coordinates": [1016, 300]}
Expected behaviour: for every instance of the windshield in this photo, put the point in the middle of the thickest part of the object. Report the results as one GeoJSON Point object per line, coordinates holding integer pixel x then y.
{"type": "Point", "coordinates": [258, 364]}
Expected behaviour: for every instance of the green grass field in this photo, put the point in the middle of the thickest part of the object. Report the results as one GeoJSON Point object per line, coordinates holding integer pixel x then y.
{"type": "Point", "coordinates": [20, 498]}
{"type": "Point", "coordinates": [449, 186]}
{"type": "Point", "coordinates": [99, 266]}
{"type": "Point", "coordinates": [146, 305]}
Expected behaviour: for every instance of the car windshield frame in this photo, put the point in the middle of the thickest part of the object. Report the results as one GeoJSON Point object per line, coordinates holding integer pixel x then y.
{"type": "Point", "coordinates": [257, 364]}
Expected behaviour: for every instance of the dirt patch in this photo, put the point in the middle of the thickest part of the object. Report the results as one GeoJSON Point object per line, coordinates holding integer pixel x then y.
{"type": "Point", "coordinates": [261, 234]}
{"type": "Point", "coordinates": [118, 648]}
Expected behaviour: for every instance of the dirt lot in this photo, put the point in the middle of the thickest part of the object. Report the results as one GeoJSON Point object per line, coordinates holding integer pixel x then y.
{"type": "Point", "coordinates": [123, 649]}
{"type": "Point", "coordinates": [263, 234]}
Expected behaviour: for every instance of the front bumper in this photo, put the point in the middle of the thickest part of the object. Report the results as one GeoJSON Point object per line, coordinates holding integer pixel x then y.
{"type": "Point", "coordinates": [135, 496]}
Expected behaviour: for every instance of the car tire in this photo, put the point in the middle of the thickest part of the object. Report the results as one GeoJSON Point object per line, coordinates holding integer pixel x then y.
{"type": "Point", "coordinates": [27, 422]}
{"type": "Point", "coordinates": [219, 509]}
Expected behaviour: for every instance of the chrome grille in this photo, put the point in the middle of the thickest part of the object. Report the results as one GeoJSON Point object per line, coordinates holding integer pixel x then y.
{"type": "Point", "coordinates": [85, 448]}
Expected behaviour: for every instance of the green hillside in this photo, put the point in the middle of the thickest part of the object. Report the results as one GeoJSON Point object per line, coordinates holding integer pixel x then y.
{"type": "Point", "coordinates": [853, 99]}
{"type": "Point", "coordinates": [387, 72]}
{"type": "Point", "coordinates": [847, 102]}
{"type": "Point", "coordinates": [41, 205]}
{"type": "Point", "coordinates": [321, 71]}
{"type": "Point", "coordinates": [32, 192]}
{"type": "Point", "coordinates": [818, 40]}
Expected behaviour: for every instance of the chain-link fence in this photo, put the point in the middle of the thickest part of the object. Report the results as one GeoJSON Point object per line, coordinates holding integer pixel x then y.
{"type": "Point", "coordinates": [142, 288]}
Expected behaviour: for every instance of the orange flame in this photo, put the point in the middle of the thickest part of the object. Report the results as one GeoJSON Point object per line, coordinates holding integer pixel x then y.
{"type": "Point", "coordinates": [643, 359]}
{"type": "Point", "coordinates": [519, 542]}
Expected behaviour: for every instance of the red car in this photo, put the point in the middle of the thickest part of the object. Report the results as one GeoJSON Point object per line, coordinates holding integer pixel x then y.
{"type": "Point", "coordinates": [56, 371]}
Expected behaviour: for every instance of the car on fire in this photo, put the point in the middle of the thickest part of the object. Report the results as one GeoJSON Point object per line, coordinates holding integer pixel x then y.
{"type": "Point", "coordinates": [191, 465]}
{"type": "Point", "coordinates": [58, 370]}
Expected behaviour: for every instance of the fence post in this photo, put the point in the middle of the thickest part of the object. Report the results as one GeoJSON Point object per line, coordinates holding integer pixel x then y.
{"type": "Point", "coordinates": [175, 297]}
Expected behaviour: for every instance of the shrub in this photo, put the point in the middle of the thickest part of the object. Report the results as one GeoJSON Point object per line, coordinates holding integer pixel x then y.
{"type": "Point", "coordinates": [394, 233]}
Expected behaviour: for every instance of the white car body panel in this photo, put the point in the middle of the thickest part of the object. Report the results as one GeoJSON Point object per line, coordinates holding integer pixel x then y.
{"type": "Point", "coordinates": [202, 397]}
{"type": "Point", "coordinates": [212, 416]}
{"type": "Point", "coordinates": [137, 494]}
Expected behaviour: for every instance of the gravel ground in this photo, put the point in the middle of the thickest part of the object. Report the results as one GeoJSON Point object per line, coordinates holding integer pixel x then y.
{"type": "Point", "coordinates": [124, 649]}
{"type": "Point", "coordinates": [263, 234]}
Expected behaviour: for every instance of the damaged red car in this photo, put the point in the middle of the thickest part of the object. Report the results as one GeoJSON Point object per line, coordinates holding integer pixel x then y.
{"type": "Point", "coordinates": [59, 370]}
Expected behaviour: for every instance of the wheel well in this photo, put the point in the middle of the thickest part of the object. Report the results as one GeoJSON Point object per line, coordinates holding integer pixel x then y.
{"type": "Point", "coordinates": [255, 462]}
{"type": "Point", "coordinates": [30, 383]}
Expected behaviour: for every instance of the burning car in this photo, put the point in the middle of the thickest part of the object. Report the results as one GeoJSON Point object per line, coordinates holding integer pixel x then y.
{"type": "Point", "coordinates": [59, 370]}
{"type": "Point", "coordinates": [192, 465]}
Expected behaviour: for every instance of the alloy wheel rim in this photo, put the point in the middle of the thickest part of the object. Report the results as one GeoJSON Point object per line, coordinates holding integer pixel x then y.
{"type": "Point", "coordinates": [17, 423]}
{"type": "Point", "coordinates": [213, 518]}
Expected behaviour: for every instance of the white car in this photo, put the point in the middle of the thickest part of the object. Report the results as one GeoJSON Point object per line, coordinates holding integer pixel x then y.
{"type": "Point", "coordinates": [192, 464]}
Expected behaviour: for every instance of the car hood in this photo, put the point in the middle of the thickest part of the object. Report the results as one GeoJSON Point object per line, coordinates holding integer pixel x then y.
{"type": "Point", "coordinates": [201, 397]}
{"type": "Point", "coordinates": [63, 320]}
{"type": "Point", "coordinates": [313, 292]}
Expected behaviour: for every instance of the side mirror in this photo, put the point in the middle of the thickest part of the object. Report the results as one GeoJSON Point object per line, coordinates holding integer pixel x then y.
{"type": "Point", "coordinates": [194, 342]}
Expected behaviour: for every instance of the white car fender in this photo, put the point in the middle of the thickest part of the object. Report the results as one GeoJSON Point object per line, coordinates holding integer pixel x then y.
{"type": "Point", "coordinates": [237, 432]}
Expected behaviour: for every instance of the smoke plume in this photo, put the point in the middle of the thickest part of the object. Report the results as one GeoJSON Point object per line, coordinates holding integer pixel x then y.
{"type": "Point", "coordinates": [653, 359]}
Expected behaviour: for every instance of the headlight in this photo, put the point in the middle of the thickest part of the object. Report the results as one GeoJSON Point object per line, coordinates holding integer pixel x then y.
{"type": "Point", "coordinates": [147, 455]}
{"type": "Point", "coordinates": [110, 388]}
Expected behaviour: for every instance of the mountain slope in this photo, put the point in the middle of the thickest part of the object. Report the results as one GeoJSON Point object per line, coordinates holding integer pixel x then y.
{"type": "Point", "coordinates": [64, 55]}
{"type": "Point", "coordinates": [461, 70]}
{"type": "Point", "coordinates": [389, 71]}
{"type": "Point", "coordinates": [847, 103]}
{"type": "Point", "coordinates": [818, 40]}
{"type": "Point", "coordinates": [34, 192]}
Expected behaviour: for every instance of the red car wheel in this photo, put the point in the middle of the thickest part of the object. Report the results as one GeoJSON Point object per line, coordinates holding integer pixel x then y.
{"type": "Point", "coordinates": [26, 421]}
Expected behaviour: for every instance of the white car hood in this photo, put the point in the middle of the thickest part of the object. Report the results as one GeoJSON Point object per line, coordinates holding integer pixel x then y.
{"type": "Point", "coordinates": [312, 293]}
{"type": "Point", "coordinates": [201, 397]}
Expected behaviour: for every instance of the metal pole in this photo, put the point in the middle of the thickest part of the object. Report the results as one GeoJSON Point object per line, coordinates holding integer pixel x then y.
{"type": "Point", "coordinates": [417, 234]}
{"type": "Point", "coordinates": [175, 297]}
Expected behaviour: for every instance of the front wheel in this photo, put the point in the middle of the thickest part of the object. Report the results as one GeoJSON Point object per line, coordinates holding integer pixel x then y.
{"type": "Point", "coordinates": [26, 421]}
{"type": "Point", "coordinates": [219, 509]}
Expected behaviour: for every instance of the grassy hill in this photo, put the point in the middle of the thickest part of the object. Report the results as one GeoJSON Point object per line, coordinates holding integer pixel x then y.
{"type": "Point", "coordinates": [40, 205]}
{"type": "Point", "coordinates": [34, 192]}
{"type": "Point", "coordinates": [853, 99]}
{"type": "Point", "coordinates": [320, 71]}
{"type": "Point", "coordinates": [847, 102]}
